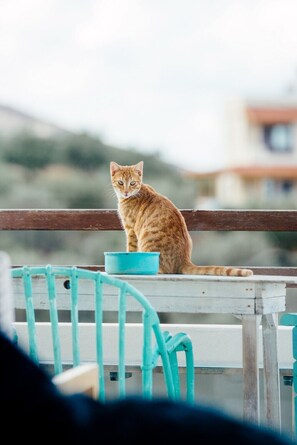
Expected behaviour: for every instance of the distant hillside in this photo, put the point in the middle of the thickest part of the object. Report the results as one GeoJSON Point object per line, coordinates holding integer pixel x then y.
{"type": "Point", "coordinates": [25, 140]}
{"type": "Point", "coordinates": [14, 121]}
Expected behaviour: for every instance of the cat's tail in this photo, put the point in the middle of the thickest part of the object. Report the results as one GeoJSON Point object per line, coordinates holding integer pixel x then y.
{"type": "Point", "coordinates": [192, 269]}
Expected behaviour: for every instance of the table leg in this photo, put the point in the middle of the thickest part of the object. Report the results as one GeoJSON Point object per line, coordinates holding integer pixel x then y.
{"type": "Point", "coordinates": [250, 340]}
{"type": "Point", "coordinates": [271, 371]}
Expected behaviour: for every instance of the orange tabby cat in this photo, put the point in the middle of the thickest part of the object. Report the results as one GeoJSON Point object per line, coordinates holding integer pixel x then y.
{"type": "Point", "coordinates": [153, 224]}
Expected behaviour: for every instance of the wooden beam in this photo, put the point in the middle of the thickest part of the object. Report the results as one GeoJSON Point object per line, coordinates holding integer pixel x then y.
{"type": "Point", "coordinates": [38, 219]}
{"type": "Point", "coordinates": [104, 219]}
{"type": "Point", "coordinates": [209, 339]}
{"type": "Point", "coordinates": [241, 220]}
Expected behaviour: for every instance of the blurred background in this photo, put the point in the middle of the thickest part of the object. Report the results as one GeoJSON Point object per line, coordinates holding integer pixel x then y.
{"type": "Point", "coordinates": [205, 93]}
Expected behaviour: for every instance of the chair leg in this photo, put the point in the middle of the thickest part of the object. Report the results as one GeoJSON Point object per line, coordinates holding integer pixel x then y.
{"type": "Point", "coordinates": [175, 372]}
{"type": "Point", "coordinates": [190, 373]}
{"type": "Point", "coordinates": [294, 401]}
{"type": "Point", "coordinates": [182, 342]}
{"type": "Point", "coordinates": [294, 386]}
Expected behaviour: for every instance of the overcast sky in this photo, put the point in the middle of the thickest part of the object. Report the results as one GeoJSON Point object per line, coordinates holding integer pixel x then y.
{"type": "Point", "coordinates": [149, 74]}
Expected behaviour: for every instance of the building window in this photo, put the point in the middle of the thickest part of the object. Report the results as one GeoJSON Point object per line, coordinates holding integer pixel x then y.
{"type": "Point", "coordinates": [278, 138]}
{"type": "Point", "coordinates": [287, 186]}
{"type": "Point", "coordinates": [275, 188]}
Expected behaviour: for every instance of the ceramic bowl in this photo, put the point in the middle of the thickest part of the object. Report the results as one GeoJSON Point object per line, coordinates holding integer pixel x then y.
{"type": "Point", "coordinates": [132, 263]}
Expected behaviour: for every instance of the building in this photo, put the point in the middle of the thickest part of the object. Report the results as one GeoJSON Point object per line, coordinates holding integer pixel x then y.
{"type": "Point", "coordinates": [261, 158]}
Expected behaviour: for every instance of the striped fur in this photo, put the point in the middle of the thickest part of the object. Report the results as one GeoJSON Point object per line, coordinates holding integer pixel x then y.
{"type": "Point", "coordinates": [153, 224]}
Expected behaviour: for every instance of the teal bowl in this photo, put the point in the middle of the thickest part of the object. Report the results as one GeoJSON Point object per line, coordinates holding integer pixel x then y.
{"type": "Point", "coordinates": [132, 263]}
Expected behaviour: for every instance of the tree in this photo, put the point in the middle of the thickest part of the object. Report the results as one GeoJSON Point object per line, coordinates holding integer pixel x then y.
{"type": "Point", "coordinates": [29, 151]}
{"type": "Point", "coordinates": [83, 151]}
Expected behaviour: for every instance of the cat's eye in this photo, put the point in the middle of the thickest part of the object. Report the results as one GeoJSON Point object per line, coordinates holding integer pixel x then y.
{"type": "Point", "coordinates": [132, 183]}
{"type": "Point", "coordinates": [120, 182]}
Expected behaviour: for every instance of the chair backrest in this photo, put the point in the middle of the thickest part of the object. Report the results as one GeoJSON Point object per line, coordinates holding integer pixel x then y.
{"type": "Point", "coordinates": [156, 344]}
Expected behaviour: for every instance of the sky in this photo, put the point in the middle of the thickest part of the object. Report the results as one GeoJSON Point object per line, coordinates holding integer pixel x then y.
{"type": "Point", "coordinates": [154, 75]}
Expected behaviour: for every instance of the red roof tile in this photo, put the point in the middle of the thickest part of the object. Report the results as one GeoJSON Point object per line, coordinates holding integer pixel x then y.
{"type": "Point", "coordinates": [281, 172]}
{"type": "Point", "coordinates": [273, 115]}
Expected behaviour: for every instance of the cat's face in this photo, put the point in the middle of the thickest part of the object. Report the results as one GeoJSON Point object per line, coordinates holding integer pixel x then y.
{"type": "Point", "coordinates": [126, 179]}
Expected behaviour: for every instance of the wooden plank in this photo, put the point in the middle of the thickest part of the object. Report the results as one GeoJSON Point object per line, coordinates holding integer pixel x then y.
{"type": "Point", "coordinates": [251, 391]}
{"type": "Point", "coordinates": [107, 219]}
{"type": "Point", "coordinates": [266, 306]}
{"type": "Point", "coordinates": [281, 271]}
{"type": "Point", "coordinates": [271, 371]}
{"type": "Point", "coordinates": [185, 294]}
{"type": "Point", "coordinates": [90, 220]}
{"type": "Point", "coordinates": [182, 305]}
{"type": "Point", "coordinates": [241, 220]}
{"type": "Point", "coordinates": [271, 271]}
{"type": "Point", "coordinates": [214, 345]}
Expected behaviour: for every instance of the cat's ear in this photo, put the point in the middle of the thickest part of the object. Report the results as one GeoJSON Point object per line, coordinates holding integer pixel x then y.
{"type": "Point", "coordinates": [114, 167]}
{"type": "Point", "coordinates": [139, 168]}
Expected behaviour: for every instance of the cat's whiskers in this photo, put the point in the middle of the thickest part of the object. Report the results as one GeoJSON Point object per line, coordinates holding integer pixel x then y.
{"type": "Point", "coordinates": [111, 192]}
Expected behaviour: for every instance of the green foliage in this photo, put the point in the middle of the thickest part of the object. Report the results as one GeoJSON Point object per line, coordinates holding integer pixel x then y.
{"type": "Point", "coordinates": [11, 177]}
{"type": "Point", "coordinates": [82, 152]}
{"type": "Point", "coordinates": [74, 188]}
{"type": "Point", "coordinates": [284, 240]}
{"type": "Point", "coordinates": [239, 249]}
{"type": "Point", "coordinates": [179, 190]}
{"type": "Point", "coordinates": [29, 151]}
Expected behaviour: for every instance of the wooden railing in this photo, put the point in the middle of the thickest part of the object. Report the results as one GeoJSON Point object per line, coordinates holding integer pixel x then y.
{"type": "Point", "coordinates": [202, 220]}
{"type": "Point", "coordinates": [196, 220]}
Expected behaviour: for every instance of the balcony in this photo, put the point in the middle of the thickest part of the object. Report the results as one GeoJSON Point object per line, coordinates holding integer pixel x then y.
{"type": "Point", "coordinates": [219, 345]}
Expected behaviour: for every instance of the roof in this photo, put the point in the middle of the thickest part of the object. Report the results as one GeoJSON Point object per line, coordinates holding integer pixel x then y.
{"type": "Point", "coordinates": [271, 115]}
{"type": "Point", "coordinates": [252, 172]}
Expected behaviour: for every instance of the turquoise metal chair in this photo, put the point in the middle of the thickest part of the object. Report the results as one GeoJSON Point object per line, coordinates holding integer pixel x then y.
{"type": "Point", "coordinates": [157, 345]}
{"type": "Point", "coordinates": [290, 319]}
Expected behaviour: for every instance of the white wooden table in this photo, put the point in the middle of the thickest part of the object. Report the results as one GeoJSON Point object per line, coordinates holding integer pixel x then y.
{"type": "Point", "coordinates": [254, 300]}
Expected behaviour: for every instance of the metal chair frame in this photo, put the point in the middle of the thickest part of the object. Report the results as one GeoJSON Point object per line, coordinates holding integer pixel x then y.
{"type": "Point", "coordinates": [165, 347]}
{"type": "Point", "coordinates": [290, 319]}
